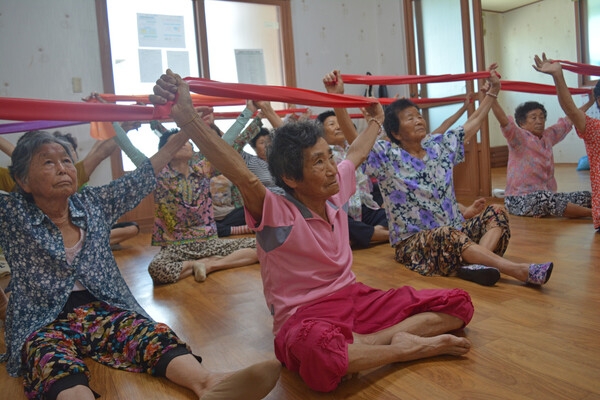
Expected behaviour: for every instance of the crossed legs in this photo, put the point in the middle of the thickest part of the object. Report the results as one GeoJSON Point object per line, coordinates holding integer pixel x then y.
{"type": "Point", "coordinates": [419, 336]}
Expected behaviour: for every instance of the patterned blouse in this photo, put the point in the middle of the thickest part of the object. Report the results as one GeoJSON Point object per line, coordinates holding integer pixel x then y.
{"type": "Point", "coordinates": [591, 138]}
{"type": "Point", "coordinates": [418, 193]}
{"type": "Point", "coordinates": [530, 158]}
{"type": "Point", "coordinates": [363, 187]}
{"type": "Point", "coordinates": [183, 211]}
{"type": "Point", "coordinates": [41, 278]}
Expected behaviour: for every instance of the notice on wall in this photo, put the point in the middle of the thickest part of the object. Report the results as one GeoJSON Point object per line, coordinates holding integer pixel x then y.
{"type": "Point", "coordinates": [179, 62]}
{"type": "Point", "coordinates": [250, 65]}
{"type": "Point", "coordinates": [155, 30]}
{"type": "Point", "coordinates": [150, 65]}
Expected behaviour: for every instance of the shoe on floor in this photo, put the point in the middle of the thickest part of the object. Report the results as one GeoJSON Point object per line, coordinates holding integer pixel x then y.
{"type": "Point", "coordinates": [481, 274]}
{"type": "Point", "coordinates": [199, 271]}
{"type": "Point", "coordinates": [252, 383]}
{"type": "Point", "coordinates": [539, 273]}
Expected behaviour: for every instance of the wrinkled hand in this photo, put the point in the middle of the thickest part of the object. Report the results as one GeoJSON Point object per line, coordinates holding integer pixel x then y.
{"type": "Point", "coordinates": [251, 105]}
{"type": "Point", "coordinates": [333, 82]}
{"type": "Point", "coordinates": [477, 207]}
{"type": "Point", "coordinates": [373, 110]}
{"type": "Point", "coordinates": [469, 99]}
{"type": "Point", "coordinates": [546, 65]}
{"type": "Point", "coordinates": [170, 87]}
{"type": "Point", "coordinates": [494, 78]}
{"type": "Point", "coordinates": [263, 105]}
{"type": "Point", "coordinates": [130, 125]}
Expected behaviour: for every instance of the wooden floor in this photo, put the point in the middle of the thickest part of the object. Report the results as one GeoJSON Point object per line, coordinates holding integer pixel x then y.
{"type": "Point", "coordinates": [528, 343]}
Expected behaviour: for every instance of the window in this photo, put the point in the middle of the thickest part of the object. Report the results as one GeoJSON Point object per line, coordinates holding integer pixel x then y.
{"type": "Point", "coordinates": [588, 12]}
{"type": "Point", "coordinates": [246, 41]}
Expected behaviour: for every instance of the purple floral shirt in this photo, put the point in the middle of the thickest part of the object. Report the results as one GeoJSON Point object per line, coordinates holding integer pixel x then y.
{"type": "Point", "coordinates": [183, 211]}
{"type": "Point", "coordinates": [418, 194]}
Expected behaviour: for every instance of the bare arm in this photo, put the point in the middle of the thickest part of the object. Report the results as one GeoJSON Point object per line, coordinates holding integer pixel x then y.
{"type": "Point", "coordinates": [268, 112]}
{"type": "Point", "coordinates": [497, 109]}
{"type": "Point", "coordinates": [334, 84]}
{"type": "Point", "coordinates": [164, 155]}
{"type": "Point", "coordinates": [217, 151]}
{"type": "Point", "coordinates": [590, 102]}
{"type": "Point", "coordinates": [451, 120]}
{"type": "Point", "coordinates": [99, 151]}
{"type": "Point", "coordinates": [474, 122]}
{"type": "Point", "coordinates": [6, 147]}
{"type": "Point", "coordinates": [360, 148]}
{"type": "Point", "coordinates": [565, 100]}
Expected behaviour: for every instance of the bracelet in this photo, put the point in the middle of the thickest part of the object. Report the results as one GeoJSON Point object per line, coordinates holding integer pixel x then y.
{"type": "Point", "coordinates": [378, 123]}
{"type": "Point", "coordinates": [494, 95]}
{"type": "Point", "coordinates": [188, 122]}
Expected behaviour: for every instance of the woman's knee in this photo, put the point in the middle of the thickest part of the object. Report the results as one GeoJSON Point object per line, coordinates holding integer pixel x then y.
{"type": "Point", "coordinates": [319, 353]}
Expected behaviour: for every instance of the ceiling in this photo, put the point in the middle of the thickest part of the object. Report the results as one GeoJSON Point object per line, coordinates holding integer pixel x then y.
{"type": "Point", "coordinates": [504, 5]}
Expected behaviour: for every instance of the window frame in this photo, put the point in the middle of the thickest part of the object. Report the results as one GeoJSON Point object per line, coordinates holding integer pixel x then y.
{"type": "Point", "coordinates": [287, 50]}
{"type": "Point", "coordinates": [581, 22]}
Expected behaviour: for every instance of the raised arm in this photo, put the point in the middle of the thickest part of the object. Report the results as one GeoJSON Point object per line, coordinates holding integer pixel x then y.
{"type": "Point", "coordinates": [360, 148]}
{"type": "Point", "coordinates": [474, 122]}
{"type": "Point", "coordinates": [217, 151]}
{"type": "Point", "coordinates": [270, 114]}
{"type": "Point", "coordinates": [451, 120]}
{"type": "Point", "coordinates": [565, 100]}
{"type": "Point", "coordinates": [334, 84]}
{"type": "Point", "coordinates": [497, 109]}
{"type": "Point", "coordinates": [591, 100]}
{"type": "Point", "coordinates": [99, 151]}
{"type": "Point", "coordinates": [122, 140]}
{"type": "Point", "coordinates": [6, 147]}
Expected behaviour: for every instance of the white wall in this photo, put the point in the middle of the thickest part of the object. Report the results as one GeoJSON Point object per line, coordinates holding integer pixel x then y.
{"type": "Point", "coordinates": [366, 36]}
{"type": "Point", "coordinates": [44, 44]}
{"type": "Point", "coordinates": [512, 39]}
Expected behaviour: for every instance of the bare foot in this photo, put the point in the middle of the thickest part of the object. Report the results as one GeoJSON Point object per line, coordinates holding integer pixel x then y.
{"type": "Point", "coordinates": [199, 271]}
{"type": "Point", "coordinates": [251, 383]}
{"type": "Point", "coordinates": [412, 347]}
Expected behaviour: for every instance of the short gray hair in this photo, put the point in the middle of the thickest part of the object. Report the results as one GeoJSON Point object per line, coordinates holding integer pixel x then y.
{"type": "Point", "coordinates": [26, 147]}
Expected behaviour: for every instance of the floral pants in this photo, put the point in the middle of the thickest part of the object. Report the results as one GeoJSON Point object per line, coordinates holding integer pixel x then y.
{"type": "Point", "coordinates": [111, 336]}
{"type": "Point", "coordinates": [168, 263]}
{"type": "Point", "coordinates": [543, 203]}
{"type": "Point", "coordinates": [439, 251]}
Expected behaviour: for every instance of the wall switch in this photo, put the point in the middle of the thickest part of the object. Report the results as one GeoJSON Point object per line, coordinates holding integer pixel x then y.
{"type": "Point", "coordinates": [76, 83]}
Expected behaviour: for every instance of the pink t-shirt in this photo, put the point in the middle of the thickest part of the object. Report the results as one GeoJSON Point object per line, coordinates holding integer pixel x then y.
{"type": "Point", "coordinates": [591, 138]}
{"type": "Point", "coordinates": [302, 256]}
{"type": "Point", "coordinates": [530, 158]}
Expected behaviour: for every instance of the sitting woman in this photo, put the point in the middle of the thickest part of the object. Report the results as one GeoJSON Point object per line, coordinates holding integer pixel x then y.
{"type": "Point", "coordinates": [69, 300]}
{"type": "Point", "coordinates": [184, 223]}
{"type": "Point", "coordinates": [531, 189]}
{"type": "Point", "coordinates": [427, 229]}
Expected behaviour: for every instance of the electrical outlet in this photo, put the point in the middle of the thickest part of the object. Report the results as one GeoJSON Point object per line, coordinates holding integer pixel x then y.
{"type": "Point", "coordinates": [76, 84]}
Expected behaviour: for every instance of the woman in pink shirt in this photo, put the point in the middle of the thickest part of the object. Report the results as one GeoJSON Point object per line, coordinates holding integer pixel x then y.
{"type": "Point", "coordinates": [588, 128]}
{"type": "Point", "coordinates": [531, 189]}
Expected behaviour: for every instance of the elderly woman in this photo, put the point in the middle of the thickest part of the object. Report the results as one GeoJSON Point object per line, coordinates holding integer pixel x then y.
{"type": "Point", "coordinates": [68, 299]}
{"type": "Point", "coordinates": [414, 171]}
{"type": "Point", "coordinates": [259, 139]}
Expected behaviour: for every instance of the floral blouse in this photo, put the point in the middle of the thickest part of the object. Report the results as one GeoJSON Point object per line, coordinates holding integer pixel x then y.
{"type": "Point", "coordinates": [363, 187]}
{"type": "Point", "coordinates": [183, 211]}
{"type": "Point", "coordinates": [418, 193]}
{"type": "Point", "coordinates": [41, 278]}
